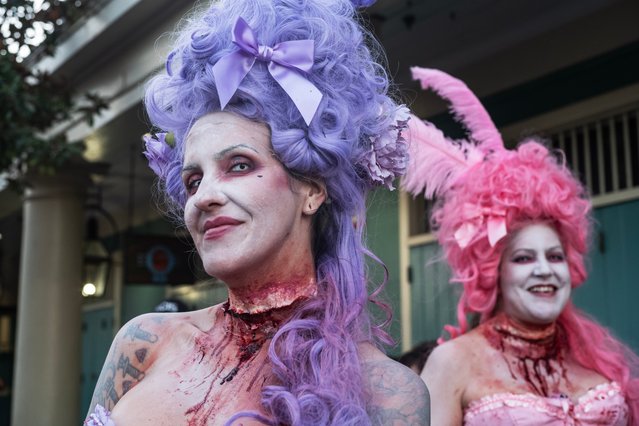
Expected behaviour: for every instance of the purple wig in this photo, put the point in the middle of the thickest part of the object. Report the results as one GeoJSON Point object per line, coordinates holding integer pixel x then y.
{"type": "Point", "coordinates": [315, 354]}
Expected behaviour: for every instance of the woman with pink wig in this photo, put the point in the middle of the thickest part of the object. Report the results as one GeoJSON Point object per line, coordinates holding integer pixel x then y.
{"type": "Point", "coordinates": [514, 226]}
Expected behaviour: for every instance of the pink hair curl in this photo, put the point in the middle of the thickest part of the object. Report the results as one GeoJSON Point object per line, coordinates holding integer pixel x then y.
{"type": "Point", "coordinates": [530, 184]}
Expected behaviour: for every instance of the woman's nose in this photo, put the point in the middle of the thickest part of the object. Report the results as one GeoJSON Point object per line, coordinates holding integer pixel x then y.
{"type": "Point", "coordinates": [542, 268]}
{"type": "Point", "coordinates": [209, 194]}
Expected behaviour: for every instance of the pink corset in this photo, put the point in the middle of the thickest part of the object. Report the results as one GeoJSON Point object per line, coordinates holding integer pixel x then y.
{"type": "Point", "coordinates": [601, 405]}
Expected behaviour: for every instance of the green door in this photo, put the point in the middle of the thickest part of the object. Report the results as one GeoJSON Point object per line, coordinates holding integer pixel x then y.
{"type": "Point", "coordinates": [433, 298]}
{"type": "Point", "coordinates": [611, 292]}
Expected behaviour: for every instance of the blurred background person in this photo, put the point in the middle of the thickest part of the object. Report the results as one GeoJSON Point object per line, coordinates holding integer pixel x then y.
{"type": "Point", "coordinates": [514, 226]}
{"type": "Point", "coordinates": [416, 358]}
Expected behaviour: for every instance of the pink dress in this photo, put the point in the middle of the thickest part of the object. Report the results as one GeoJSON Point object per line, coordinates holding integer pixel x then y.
{"type": "Point", "coordinates": [603, 405]}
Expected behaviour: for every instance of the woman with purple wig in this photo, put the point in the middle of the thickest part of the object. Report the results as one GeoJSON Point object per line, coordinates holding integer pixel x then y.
{"type": "Point", "coordinates": [280, 122]}
{"type": "Point", "coordinates": [514, 227]}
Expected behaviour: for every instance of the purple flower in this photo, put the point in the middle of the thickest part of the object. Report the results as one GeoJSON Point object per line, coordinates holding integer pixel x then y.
{"type": "Point", "coordinates": [387, 157]}
{"type": "Point", "coordinates": [100, 417]}
{"type": "Point", "coordinates": [158, 152]}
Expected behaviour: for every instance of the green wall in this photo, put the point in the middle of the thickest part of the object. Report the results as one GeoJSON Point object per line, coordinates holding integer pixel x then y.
{"type": "Point", "coordinates": [611, 292]}
{"type": "Point", "coordinates": [433, 298]}
{"type": "Point", "coordinates": [383, 240]}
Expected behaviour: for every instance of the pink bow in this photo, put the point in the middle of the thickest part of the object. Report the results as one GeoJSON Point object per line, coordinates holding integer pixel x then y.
{"type": "Point", "coordinates": [474, 217]}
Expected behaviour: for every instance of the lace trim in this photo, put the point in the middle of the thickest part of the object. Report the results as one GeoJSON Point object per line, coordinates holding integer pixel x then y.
{"type": "Point", "coordinates": [559, 406]}
{"type": "Point", "coordinates": [100, 417]}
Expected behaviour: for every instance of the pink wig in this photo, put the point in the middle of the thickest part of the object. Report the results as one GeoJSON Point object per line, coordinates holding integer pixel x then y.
{"type": "Point", "coordinates": [529, 184]}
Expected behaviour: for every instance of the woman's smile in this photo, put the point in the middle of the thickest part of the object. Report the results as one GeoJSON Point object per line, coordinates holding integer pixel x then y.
{"type": "Point", "coordinates": [218, 227]}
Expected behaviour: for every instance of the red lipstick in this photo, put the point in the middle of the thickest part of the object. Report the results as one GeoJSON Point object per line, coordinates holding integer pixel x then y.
{"type": "Point", "coordinates": [215, 228]}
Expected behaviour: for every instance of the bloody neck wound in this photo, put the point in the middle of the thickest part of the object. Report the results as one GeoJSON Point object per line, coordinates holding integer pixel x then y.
{"type": "Point", "coordinates": [534, 354]}
{"type": "Point", "coordinates": [251, 331]}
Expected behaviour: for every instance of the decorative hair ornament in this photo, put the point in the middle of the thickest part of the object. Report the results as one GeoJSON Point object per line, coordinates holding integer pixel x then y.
{"type": "Point", "coordinates": [387, 157]}
{"type": "Point", "coordinates": [287, 63]}
{"type": "Point", "coordinates": [437, 163]}
{"type": "Point", "coordinates": [159, 149]}
{"type": "Point", "coordinates": [474, 218]}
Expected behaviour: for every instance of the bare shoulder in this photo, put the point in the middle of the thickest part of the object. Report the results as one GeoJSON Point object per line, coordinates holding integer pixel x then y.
{"type": "Point", "coordinates": [445, 368]}
{"type": "Point", "coordinates": [397, 395]}
{"type": "Point", "coordinates": [452, 356]}
{"type": "Point", "coordinates": [446, 374]}
{"type": "Point", "coordinates": [133, 351]}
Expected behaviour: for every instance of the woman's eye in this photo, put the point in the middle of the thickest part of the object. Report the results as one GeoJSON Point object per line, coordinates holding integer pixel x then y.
{"type": "Point", "coordinates": [556, 257]}
{"type": "Point", "coordinates": [522, 259]}
{"type": "Point", "coordinates": [240, 166]}
{"type": "Point", "coordinates": [192, 184]}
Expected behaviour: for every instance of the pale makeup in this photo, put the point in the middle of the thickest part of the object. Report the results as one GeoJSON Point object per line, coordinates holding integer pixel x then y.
{"type": "Point", "coordinates": [534, 276]}
{"type": "Point", "coordinates": [246, 214]}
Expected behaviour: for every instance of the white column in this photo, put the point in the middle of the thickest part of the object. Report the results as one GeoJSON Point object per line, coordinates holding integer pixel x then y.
{"type": "Point", "coordinates": [46, 386]}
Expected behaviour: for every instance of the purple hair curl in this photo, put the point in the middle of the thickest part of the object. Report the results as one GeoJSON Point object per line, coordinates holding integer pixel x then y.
{"type": "Point", "coordinates": [315, 354]}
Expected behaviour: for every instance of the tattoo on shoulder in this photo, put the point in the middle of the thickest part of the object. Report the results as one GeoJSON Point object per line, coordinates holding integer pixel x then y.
{"type": "Point", "coordinates": [398, 396]}
{"type": "Point", "coordinates": [135, 332]}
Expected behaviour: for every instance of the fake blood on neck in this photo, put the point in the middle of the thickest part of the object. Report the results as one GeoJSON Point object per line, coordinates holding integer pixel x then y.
{"type": "Point", "coordinates": [532, 353]}
{"type": "Point", "coordinates": [248, 333]}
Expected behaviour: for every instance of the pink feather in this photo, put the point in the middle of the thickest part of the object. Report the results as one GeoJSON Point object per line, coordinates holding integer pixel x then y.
{"type": "Point", "coordinates": [465, 105]}
{"type": "Point", "coordinates": [435, 161]}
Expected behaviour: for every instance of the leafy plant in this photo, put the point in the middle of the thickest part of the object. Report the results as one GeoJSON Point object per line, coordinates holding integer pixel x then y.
{"type": "Point", "coordinates": [32, 101]}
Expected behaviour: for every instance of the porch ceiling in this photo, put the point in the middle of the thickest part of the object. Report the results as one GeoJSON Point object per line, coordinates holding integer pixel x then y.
{"type": "Point", "coordinates": [491, 44]}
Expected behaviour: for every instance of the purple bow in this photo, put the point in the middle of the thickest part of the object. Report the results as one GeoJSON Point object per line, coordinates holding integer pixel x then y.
{"type": "Point", "coordinates": [287, 61]}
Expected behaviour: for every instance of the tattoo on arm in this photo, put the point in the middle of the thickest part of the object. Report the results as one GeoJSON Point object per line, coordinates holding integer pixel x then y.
{"type": "Point", "coordinates": [124, 364]}
{"type": "Point", "coordinates": [399, 396]}
{"type": "Point", "coordinates": [117, 378]}
{"type": "Point", "coordinates": [140, 354]}
{"type": "Point", "coordinates": [105, 393]}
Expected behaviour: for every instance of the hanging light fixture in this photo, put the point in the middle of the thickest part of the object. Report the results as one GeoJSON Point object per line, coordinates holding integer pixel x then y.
{"type": "Point", "coordinates": [97, 262]}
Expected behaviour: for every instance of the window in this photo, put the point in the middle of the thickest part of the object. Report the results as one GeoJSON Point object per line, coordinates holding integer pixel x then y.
{"type": "Point", "coordinates": [604, 152]}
